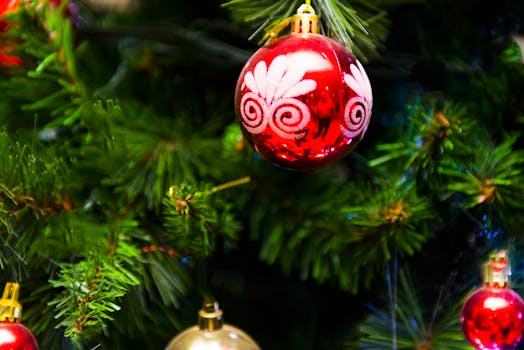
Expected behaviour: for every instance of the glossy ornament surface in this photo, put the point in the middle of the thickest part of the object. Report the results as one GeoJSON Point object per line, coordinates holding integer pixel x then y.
{"type": "Point", "coordinates": [16, 336]}
{"type": "Point", "coordinates": [212, 333]}
{"type": "Point", "coordinates": [13, 334]}
{"type": "Point", "coordinates": [303, 101]}
{"type": "Point", "coordinates": [226, 338]}
{"type": "Point", "coordinates": [7, 60]}
{"type": "Point", "coordinates": [7, 6]}
{"type": "Point", "coordinates": [492, 316]}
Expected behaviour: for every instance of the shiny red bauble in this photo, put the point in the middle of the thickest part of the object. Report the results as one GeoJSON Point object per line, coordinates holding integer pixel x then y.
{"type": "Point", "coordinates": [492, 318]}
{"type": "Point", "coordinates": [303, 101]}
{"type": "Point", "coordinates": [16, 336]}
{"type": "Point", "coordinates": [7, 60]}
{"type": "Point", "coordinates": [7, 6]}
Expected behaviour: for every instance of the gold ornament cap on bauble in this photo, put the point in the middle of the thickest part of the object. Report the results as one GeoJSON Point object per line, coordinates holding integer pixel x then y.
{"type": "Point", "coordinates": [305, 20]}
{"type": "Point", "coordinates": [497, 270]}
{"type": "Point", "coordinates": [210, 316]}
{"type": "Point", "coordinates": [10, 308]}
{"type": "Point", "coordinates": [212, 333]}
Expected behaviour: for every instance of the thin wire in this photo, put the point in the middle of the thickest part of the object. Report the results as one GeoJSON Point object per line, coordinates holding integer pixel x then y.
{"type": "Point", "coordinates": [233, 183]}
{"type": "Point", "coordinates": [392, 291]}
{"type": "Point", "coordinates": [445, 288]}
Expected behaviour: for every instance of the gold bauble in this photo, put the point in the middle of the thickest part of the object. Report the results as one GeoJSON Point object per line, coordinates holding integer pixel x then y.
{"type": "Point", "coordinates": [212, 333]}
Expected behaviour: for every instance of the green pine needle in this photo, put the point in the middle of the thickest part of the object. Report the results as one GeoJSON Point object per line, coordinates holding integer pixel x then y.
{"type": "Point", "coordinates": [414, 326]}
{"type": "Point", "coordinates": [48, 84]}
{"type": "Point", "coordinates": [430, 134]}
{"type": "Point", "coordinates": [360, 26]}
{"type": "Point", "coordinates": [91, 289]}
{"type": "Point", "coordinates": [491, 178]}
{"type": "Point", "coordinates": [149, 153]}
{"type": "Point", "coordinates": [196, 216]}
{"type": "Point", "coordinates": [31, 192]}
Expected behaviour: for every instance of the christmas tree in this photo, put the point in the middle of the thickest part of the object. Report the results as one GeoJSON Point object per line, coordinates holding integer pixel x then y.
{"type": "Point", "coordinates": [130, 192]}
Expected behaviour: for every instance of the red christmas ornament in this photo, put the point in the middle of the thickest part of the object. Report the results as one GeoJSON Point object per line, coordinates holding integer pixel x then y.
{"type": "Point", "coordinates": [492, 316]}
{"type": "Point", "coordinates": [7, 60]}
{"type": "Point", "coordinates": [13, 334]}
{"type": "Point", "coordinates": [303, 101]}
{"type": "Point", "coordinates": [7, 6]}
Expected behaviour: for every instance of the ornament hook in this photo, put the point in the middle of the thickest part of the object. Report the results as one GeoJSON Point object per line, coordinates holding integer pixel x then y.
{"type": "Point", "coordinates": [305, 20]}
{"type": "Point", "coordinates": [210, 316]}
{"type": "Point", "coordinates": [10, 308]}
{"type": "Point", "coordinates": [497, 269]}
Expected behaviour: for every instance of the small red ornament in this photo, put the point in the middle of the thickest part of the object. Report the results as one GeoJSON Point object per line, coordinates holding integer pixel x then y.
{"type": "Point", "coordinates": [7, 60]}
{"type": "Point", "coordinates": [7, 6]}
{"type": "Point", "coordinates": [303, 100]}
{"type": "Point", "coordinates": [13, 334]}
{"type": "Point", "coordinates": [492, 316]}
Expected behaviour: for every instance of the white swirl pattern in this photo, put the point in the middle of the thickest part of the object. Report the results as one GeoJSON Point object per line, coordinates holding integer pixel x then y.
{"type": "Point", "coordinates": [270, 100]}
{"type": "Point", "coordinates": [357, 112]}
{"type": "Point", "coordinates": [253, 109]}
{"type": "Point", "coordinates": [289, 117]}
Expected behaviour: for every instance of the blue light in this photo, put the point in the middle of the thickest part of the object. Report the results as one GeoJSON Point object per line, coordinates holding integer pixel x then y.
{"type": "Point", "coordinates": [487, 230]}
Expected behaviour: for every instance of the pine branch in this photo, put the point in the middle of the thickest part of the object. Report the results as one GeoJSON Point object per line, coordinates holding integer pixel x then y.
{"type": "Point", "coordinates": [490, 179]}
{"type": "Point", "coordinates": [428, 135]}
{"type": "Point", "coordinates": [345, 234]}
{"type": "Point", "coordinates": [392, 219]}
{"type": "Point", "coordinates": [31, 192]}
{"type": "Point", "coordinates": [100, 264]}
{"type": "Point", "coordinates": [48, 85]}
{"type": "Point", "coordinates": [360, 26]}
{"type": "Point", "coordinates": [93, 287]}
{"type": "Point", "coordinates": [415, 328]}
{"type": "Point", "coordinates": [195, 216]}
{"type": "Point", "coordinates": [149, 153]}
{"type": "Point", "coordinates": [158, 282]}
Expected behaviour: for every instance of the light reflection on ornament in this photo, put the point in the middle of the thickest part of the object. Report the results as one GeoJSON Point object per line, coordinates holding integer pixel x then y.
{"type": "Point", "coordinates": [494, 303]}
{"type": "Point", "coordinates": [310, 61]}
{"type": "Point", "coordinates": [6, 337]}
{"type": "Point", "coordinates": [519, 39]}
{"type": "Point", "coordinates": [207, 345]}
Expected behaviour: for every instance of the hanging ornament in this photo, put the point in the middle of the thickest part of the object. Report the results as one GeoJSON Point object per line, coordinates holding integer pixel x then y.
{"type": "Point", "coordinates": [304, 100]}
{"type": "Point", "coordinates": [7, 60]}
{"type": "Point", "coordinates": [491, 317]}
{"type": "Point", "coordinates": [7, 6]}
{"type": "Point", "coordinates": [212, 334]}
{"type": "Point", "coordinates": [13, 334]}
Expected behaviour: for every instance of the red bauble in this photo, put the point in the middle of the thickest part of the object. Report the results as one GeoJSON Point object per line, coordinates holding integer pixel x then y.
{"type": "Point", "coordinates": [492, 318]}
{"type": "Point", "coordinates": [7, 6]}
{"type": "Point", "coordinates": [303, 101]}
{"type": "Point", "coordinates": [15, 336]}
{"type": "Point", "coordinates": [7, 60]}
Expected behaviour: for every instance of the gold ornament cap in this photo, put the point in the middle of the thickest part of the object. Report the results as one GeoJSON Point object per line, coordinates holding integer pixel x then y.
{"type": "Point", "coordinates": [305, 20]}
{"type": "Point", "coordinates": [10, 308]}
{"type": "Point", "coordinates": [210, 316]}
{"type": "Point", "coordinates": [497, 270]}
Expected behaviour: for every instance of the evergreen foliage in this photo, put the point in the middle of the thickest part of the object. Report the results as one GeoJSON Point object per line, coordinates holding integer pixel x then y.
{"type": "Point", "coordinates": [127, 192]}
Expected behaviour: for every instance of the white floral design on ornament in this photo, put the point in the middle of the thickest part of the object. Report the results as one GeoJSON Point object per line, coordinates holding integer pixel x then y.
{"type": "Point", "coordinates": [271, 98]}
{"type": "Point", "coordinates": [358, 109]}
